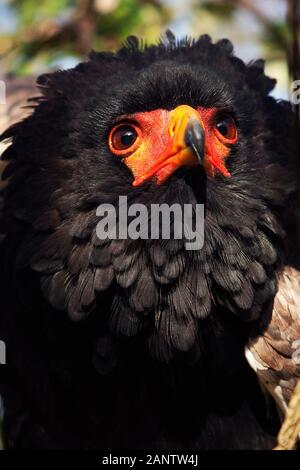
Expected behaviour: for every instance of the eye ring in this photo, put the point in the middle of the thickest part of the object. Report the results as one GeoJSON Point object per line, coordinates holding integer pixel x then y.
{"type": "Point", "coordinates": [124, 138]}
{"type": "Point", "coordinates": [225, 128]}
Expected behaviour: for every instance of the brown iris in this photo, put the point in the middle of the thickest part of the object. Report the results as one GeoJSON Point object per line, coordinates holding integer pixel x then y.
{"type": "Point", "coordinates": [226, 127]}
{"type": "Point", "coordinates": [123, 138]}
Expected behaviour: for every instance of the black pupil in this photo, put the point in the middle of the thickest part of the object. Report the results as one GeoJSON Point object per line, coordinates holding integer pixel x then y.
{"type": "Point", "coordinates": [223, 126]}
{"type": "Point", "coordinates": [127, 138]}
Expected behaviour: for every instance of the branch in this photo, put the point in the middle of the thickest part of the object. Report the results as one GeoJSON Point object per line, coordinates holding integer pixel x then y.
{"type": "Point", "coordinates": [290, 429]}
{"type": "Point", "coordinates": [79, 28]}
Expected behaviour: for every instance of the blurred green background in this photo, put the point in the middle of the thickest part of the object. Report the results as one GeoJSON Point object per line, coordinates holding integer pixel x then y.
{"type": "Point", "coordinates": [38, 35]}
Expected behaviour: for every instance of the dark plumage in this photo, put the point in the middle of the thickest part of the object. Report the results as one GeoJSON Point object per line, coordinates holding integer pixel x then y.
{"type": "Point", "coordinates": [140, 343]}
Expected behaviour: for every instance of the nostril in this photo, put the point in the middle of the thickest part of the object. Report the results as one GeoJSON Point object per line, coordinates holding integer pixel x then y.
{"type": "Point", "coordinates": [173, 129]}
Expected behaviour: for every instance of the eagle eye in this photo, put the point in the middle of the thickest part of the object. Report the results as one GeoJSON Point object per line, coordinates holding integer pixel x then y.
{"type": "Point", "coordinates": [122, 138]}
{"type": "Point", "coordinates": [226, 127]}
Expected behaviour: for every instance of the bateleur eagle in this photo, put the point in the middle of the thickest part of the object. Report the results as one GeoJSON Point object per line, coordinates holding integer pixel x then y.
{"type": "Point", "coordinates": [141, 343]}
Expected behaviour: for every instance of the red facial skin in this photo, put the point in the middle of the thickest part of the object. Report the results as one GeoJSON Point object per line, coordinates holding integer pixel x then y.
{"type": "Point", "coordinates": [217, 147]}
{"type": "Point", "coordinates": [155, 143]}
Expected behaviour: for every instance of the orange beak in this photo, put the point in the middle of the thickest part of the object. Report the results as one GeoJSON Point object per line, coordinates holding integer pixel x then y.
{"type": "Point", "coordinates": [186, 147]}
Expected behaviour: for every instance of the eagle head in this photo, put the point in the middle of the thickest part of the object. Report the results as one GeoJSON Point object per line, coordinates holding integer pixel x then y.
{"type": "Point", "coordinates": [181, 122]}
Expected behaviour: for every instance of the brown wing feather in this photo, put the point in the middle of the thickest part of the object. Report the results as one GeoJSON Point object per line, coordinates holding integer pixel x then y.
{"type": "Point", "coordinates": [274, 352]}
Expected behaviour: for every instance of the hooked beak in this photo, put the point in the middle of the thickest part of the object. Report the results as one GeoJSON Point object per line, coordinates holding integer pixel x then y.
{"type": "Point", "coordinates": [186, 147]}
{"type": "Point", "coordinates": [194, 138]}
